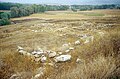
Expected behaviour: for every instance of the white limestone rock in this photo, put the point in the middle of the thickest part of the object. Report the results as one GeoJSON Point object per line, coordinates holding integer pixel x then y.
{"type": "Point", "coordinates": [71, 48]}
{"type": "Point", "coordinates": [79, 61]}
{"type": "Point", "coordinates": [29, 54]}
{"type": "Point", "coordinates": [38, 52]}
{"type": "Point", "coordinates": [52, 54]}
{"type": "Point", "coordinates": [77, 42]}
{"type": "Point", "coordinates": [22, 52]}
{"type": "Point", "coordinates": [67, 51]}
{"type": "Point", "coordinates": [59, 53]}
{"type": "Point", "coordinates": [62, 58]}
{"type": "Point", "coordinates": [36, 56]}
{"type": "Point", "coordinates": [20, 48]}
{"type": "Point", "coordinates": [43, 58]}
{"type": "Point", "coordinates": [65, 45]}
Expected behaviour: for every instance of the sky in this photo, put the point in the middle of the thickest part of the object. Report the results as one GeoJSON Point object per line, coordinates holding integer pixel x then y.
{"type": "Point", "coordinates": [78, 2]}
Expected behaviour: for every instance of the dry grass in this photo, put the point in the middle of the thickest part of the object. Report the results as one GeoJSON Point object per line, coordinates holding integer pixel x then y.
{"type": "Point", "coordinates": [99, 59]}
{"type": "Point", "coordinates": [13, 63]}
{"type": "Point", "coordinates": [62, 15]}
{"type": "Point", "coordinates": [100, 68]}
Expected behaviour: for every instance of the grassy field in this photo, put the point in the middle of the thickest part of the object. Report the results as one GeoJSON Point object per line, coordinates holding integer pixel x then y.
{"type": "Point", "coordinates": [73, 15]}
{"type": "Point", "coordinates": [99, 59]}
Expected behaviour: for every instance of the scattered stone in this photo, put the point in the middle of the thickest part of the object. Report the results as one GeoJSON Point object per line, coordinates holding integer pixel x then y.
{"type": "Point", "coordinates": [65, 45]}
{"type": "Point", "coordinates": [36, 56]}
{"type": "Point", "coordinates": [71, 48]}
{"type": "Point", "coordinates": [39, 52]}
{"type": "Point", "coordinates": [77, 42]}
{"type": "Point", "coordinates": [67, 51]}
{"type": "Point", "coordinates": [69, 43]}
{"type": "Point", "coordinates": [20, 48]}
{"type": "Point", "coordinates": [59, 53]}
{"type": "Point", "coordinates": [22, 52]}
{"type": "Point", "coordinates": [78, 60]}
{"type": "Point", "coordinates": [43, 58]}
{"type": "Point", "coordinates": [62, 58]}
{"type": "Point", "coordinates": [34, 52]}
{"type": "Point", "coordinates": [28, 54]}
{"type": "Point", "coordinates": [35, 31]}
{"type": "Point", "coordinates": [52, 54]}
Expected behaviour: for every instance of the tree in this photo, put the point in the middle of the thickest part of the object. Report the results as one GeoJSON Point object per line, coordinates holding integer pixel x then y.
{"type": "Point", "coordinates": [14, 12]}
{"type": "Point", "coordinates": [5, 18]}
{"type": "Point", "coordinates": [4, 22]}
{"type": "Point", "coordinates": [4, 15]}
{"type": "Point", "coordinates": [41, 8]}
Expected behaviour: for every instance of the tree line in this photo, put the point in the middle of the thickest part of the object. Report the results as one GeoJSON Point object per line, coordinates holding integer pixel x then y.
{"type": "Point", "coordinates": [19, 10]}
{"type": "Point", "coordinates": [26, 11]}
{"type": "Point", "coordinates": [93, 7]}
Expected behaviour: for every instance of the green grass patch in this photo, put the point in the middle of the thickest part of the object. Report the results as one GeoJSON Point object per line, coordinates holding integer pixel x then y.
{"type": "Point", "coordinates": [93, 14]}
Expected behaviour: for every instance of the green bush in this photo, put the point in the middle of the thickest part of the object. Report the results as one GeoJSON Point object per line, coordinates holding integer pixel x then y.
{"type": "Point", "coordinates": [4, 22]}
{"type": "Point", "coordinates": [5, 15]}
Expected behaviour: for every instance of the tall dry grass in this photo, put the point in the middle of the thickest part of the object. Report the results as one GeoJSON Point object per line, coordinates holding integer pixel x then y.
{"type": "Point", "coordinates": [101, 59]}
{"type": "Point", "coordinates": [14, 63]}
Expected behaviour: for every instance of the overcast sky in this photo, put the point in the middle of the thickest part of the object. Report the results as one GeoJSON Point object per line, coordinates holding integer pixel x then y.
{"type": "Point", "coordinates": [65, 1]}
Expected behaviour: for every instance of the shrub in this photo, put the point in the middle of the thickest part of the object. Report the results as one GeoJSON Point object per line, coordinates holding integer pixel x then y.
{"type": "Point", "coordinates": [4, 22]}
{"type": "Point", "coordinates": [5, 15]}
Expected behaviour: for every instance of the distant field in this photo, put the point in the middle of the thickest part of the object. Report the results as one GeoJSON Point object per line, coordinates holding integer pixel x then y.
{"type": "Point", "coordinates": [73, 15]}
{"type": "Point", "coordinates": [4, 10]}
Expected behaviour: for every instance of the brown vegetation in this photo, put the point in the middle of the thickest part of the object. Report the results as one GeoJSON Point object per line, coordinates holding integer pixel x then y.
{"type": "Point", "coordinates": [99, 59]}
